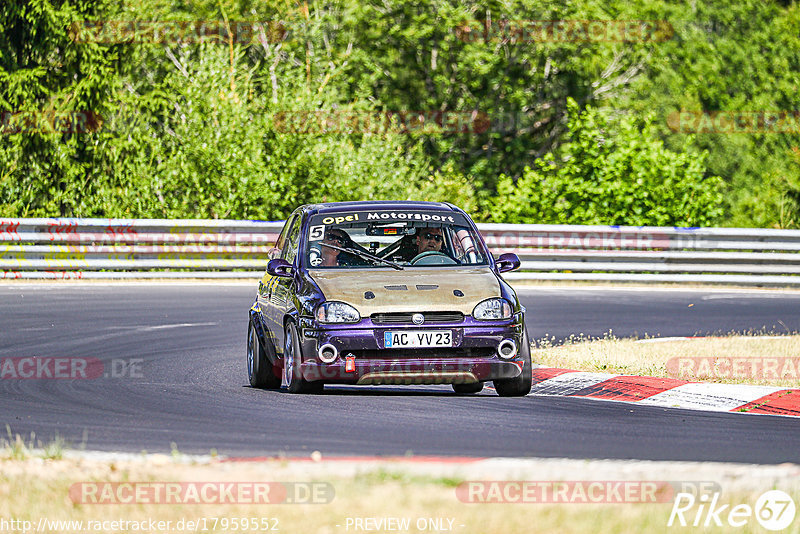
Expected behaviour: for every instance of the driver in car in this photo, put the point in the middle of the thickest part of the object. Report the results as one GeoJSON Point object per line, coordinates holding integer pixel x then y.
{"type": "Point", "coordinates": [429, 239]}
{"type": "Point", "coordinates": [425, 240]}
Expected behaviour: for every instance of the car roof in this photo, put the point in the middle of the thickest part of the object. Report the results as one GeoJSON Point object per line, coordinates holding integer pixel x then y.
{"type": "Point", "coordinates": [378, 205]}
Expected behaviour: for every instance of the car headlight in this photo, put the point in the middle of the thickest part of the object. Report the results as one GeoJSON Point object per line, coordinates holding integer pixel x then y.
{"type": "Point", "coordinates": [337, 312]}
{"type": "Point", "coordinates": [490, 309]}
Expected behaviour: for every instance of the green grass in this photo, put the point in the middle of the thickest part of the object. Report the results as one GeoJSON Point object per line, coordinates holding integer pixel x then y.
{"type": "Point", "coordinates": [15, 447]}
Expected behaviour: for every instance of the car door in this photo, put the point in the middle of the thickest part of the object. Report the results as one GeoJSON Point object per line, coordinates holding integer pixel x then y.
{"type": "Point", "coordinates": [278, 289]}
{"type": "Point", "coordinates": [267, 284]}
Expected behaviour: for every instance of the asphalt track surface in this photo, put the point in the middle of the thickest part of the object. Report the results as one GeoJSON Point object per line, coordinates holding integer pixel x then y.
{"type": "Point", "coordinates": [192, 390]}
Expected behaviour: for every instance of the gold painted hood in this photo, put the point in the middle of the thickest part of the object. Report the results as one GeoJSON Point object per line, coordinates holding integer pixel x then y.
{"type": "Point", "coordinates": [426, 289]}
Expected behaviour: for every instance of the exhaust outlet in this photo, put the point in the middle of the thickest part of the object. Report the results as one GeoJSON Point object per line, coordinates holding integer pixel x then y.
{"type": "Point", "coordinates": [327, 353]}
{"type": "Point", "coordinates": [507, 349]}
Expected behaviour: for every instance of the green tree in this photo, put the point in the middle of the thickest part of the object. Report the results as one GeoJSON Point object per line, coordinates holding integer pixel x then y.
{"type": "Point", "coordinates": [45, 77]}
{"type": "Point", "coordinates": [189, 130]}
{"type": "Point", "coordinates": [611, 170]}
{"type": "Point", "coordinates": [201, 132]}
{"type": "Point", "coordinates": [412, 56]}
{"type": "Point", "coordinates": [737, 56]}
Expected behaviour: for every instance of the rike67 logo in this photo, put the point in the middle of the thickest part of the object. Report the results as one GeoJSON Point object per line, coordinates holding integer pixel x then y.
{"type": "Point", "coordinates": [774, 510]}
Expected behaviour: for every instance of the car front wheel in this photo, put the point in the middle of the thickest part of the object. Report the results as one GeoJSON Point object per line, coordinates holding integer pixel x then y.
{"type": "Point", "coordinates": [292, 359]}
{"type": "Point", "coordinates": [520, 385]}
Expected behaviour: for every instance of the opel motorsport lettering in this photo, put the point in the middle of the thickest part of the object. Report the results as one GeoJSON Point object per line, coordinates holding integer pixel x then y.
{"type": "Point", "coordinates": [386, 293]}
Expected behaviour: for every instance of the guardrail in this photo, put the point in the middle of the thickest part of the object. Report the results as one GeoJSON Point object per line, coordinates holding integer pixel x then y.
{"type": "Point", "coordinates": [139, 248]}
{"type": "Point", "coordinates": [153, 248]}
{"type": "Point", "coordinates": [747, 256]}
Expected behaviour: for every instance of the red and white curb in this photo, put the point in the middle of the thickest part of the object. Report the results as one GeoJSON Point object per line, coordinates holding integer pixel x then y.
{"type": "Point", "coordinates": [667, 392]}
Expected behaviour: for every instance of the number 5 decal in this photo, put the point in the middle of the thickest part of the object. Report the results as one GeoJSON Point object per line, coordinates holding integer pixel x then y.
{"type": "Point", "coordinates": [317, 232]}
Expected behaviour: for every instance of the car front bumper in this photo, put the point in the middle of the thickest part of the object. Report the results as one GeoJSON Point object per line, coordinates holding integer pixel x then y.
{"type": "Point", "coordinates": [363, 358]}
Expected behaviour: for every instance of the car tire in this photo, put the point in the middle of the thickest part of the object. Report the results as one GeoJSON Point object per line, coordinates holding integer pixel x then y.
{"type": "Point", "coordinates": [520, 385]}
{"type": "Point", "coordinates": [464, 389]}
{"type": "Point", "coordinates": [292, 359]}
{"type": "Point", "coordinates": [260, 371]}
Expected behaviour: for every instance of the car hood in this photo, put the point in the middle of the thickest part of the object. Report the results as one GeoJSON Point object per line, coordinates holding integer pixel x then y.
{"type": "Point", "coordinates": [410, 290]}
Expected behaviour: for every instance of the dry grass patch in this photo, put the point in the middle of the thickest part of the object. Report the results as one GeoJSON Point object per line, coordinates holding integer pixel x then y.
{"type": "Point", "coordinates": [36, 488]}
{"type": "Point", "coordinates": [735, 359]}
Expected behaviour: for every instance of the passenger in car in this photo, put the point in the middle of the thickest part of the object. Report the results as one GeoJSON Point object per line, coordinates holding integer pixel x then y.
{"type": "Point", "coordinates": [338, 258]}
{"type": "Point", "coordinates": [335, 237]}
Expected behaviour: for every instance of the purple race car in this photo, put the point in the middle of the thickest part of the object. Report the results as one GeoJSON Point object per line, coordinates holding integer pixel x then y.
{"type": "Point", "coordinates": [386, 293]}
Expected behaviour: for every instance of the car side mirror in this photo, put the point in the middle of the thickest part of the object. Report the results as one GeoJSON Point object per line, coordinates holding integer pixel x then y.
{"type": "Point", "coordinates": [507, 262]}
{"type": "Point", "coordinates": [280, 268]}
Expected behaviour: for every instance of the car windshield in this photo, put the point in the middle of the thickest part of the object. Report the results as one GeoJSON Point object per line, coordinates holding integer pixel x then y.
{"type": "Point", "coordinates": [392, 239]}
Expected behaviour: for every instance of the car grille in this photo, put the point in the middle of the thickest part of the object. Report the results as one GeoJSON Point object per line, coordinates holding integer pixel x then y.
{"type": "Point", "coordinates": [413, 354]}
{"type": "Point", "coordinates": [405, 318]}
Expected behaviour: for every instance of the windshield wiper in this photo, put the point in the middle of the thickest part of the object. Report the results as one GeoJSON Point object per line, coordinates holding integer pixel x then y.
{"type": "Point", "coordinates": [366, 255]}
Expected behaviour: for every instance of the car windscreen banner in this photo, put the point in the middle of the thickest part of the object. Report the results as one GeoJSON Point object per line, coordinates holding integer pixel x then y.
{"type": "Point", "coordinates": [388, 217]}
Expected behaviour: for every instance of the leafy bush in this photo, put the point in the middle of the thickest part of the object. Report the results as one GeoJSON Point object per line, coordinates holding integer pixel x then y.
{"type": "Point", "coordinates": [611, 170]}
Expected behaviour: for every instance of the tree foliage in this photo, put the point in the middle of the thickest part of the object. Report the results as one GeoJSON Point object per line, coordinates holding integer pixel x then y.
{"type": "Point", "coordinates": [44, 75]}
{"type": "Point", "coordinates": [610, 170]}
{"type": "Point", "coordinates": [570, 130]}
